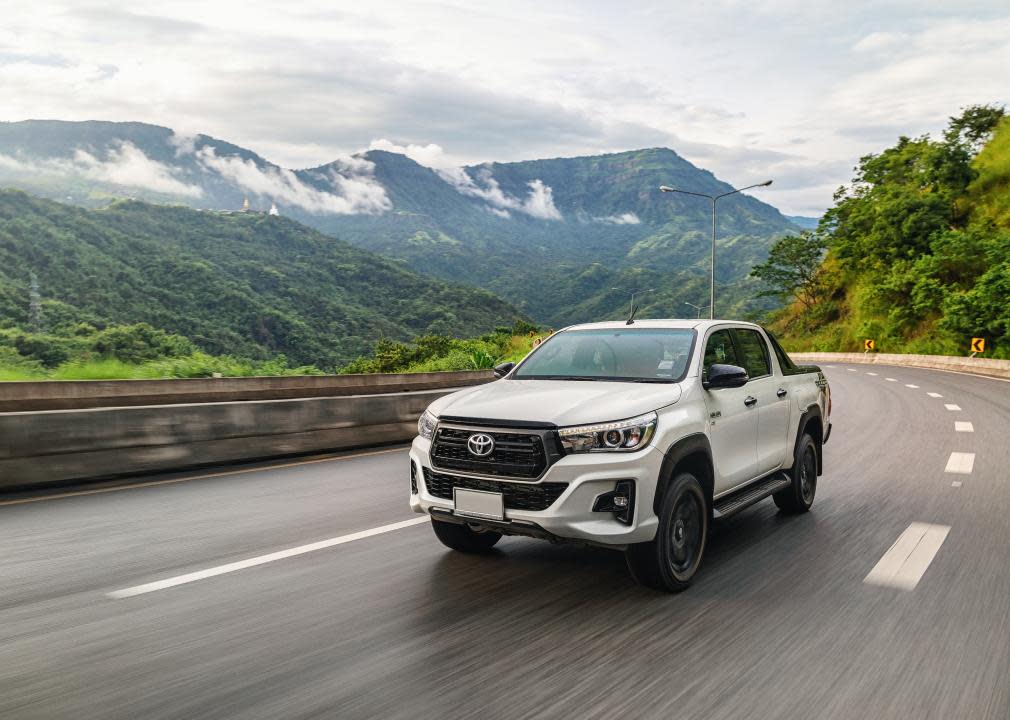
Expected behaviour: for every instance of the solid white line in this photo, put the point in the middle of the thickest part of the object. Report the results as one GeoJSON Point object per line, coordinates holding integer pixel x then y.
{"type": "Point", "coordinates": [890, 380]}
{"type": "Point", "coordinates": [934, 394]}
{"type": "Point", "coordinates": [960, 463]}
{"type": "Point", "coordinates": [914, 387]}
{"type": "Point", "coordinates": [869, 373]}
{"type": "Point", "coordinates": [904, 564]}
{"type": "Point", "coordinates": [262, 559]}
{"type": "Point", "coordinates": [960, 426]}
{"type": "Point", "coordinates": [952, 407]}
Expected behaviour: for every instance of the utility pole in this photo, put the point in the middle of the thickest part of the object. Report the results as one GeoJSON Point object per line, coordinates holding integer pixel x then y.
{"type": "Point", "coordinates": [34, 304]}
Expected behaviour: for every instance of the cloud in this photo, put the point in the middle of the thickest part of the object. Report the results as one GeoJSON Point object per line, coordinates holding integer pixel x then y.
{"type": "Point", "coordinates": [430, 155]}
{"type": "Point", "coordinates": [356, 191]}
{"type": "Point", "coordinates": [880, 41]}
{"type": "Point", "coordinates": [628, 218]}
{"type": "Point", "coordinates": [539, 203]}
{"type": "Point", "coordinates": [125, 165]}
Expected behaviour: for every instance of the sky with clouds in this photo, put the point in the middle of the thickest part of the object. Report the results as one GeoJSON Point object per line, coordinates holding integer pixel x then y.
{"type": "Point", "coordinates": [795, 90]}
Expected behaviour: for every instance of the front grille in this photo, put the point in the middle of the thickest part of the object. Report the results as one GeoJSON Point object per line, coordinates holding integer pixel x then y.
{"type": "Point", "coordinates": [515, 454]}
{"type": "Point", "coordinates": [518, 496]}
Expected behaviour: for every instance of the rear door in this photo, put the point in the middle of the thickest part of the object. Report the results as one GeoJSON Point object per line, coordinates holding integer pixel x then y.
{"type": "Point", "coordinates": [733, 424]}
{"type": "Point", "coordinates": [771, 394]}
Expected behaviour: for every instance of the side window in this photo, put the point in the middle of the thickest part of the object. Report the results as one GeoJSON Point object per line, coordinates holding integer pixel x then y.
{"type": "Point", "coordinates": [753, 353]}
{"type": "Point", "coordinates": [719, 349]}
{"type": "Point", "coordinates": [785, 362]}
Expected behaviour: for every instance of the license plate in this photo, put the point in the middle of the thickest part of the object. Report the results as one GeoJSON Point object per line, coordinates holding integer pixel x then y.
{"type": "Point", "coordinates": [479, 504]}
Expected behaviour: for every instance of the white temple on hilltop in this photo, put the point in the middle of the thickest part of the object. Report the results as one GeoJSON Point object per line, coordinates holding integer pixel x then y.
{"type": "Point", "coordinates": [273, 209]}
{"type": "Point", "coordinates": [245, 204]}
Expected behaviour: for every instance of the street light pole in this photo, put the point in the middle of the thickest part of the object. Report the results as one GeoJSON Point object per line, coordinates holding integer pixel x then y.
{"type": "Point", "coordinates": [699, 308]}
{"type": "Point", "coordinates": [713, 199]}
{"type": "Point", "coordinates": [636, 292]}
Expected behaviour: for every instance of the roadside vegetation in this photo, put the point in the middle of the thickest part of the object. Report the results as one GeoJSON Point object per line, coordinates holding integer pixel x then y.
{"type": "Point", "coordinates": [915, 252]}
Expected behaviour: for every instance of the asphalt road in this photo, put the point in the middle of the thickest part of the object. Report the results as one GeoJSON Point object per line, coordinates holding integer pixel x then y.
{"type": "Point", "coordinates": [780, 623]}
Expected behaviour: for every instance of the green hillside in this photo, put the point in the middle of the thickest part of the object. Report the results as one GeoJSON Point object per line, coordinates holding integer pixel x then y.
{"type": "Point", "coordinates": [239, 284]}
{"type": "Point", "coordinates": [553, 236]}
{"type": "Point", "coordinates": [918, 248]}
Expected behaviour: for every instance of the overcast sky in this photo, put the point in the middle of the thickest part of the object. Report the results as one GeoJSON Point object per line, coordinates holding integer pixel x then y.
{"type": "Point", "coordinates": [795, 90]}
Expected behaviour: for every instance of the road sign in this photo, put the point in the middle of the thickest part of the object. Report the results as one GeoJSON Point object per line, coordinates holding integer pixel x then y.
{"type": "Point", "coordinates": [978, 345]}
{"type": "Point", "coordinates": [869, 344]}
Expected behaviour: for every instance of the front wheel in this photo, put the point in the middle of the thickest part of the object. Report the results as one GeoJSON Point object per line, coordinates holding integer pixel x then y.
{"type": "Point", "coordinates": [463, 539]}
{"type": "Point", "coordinates": [798, 497]}
{"type": "Point", "coordinates": [670, 561]}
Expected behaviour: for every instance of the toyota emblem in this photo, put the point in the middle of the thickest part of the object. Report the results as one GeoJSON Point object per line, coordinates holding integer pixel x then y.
{"type": "Point", "coordinates": [480, 444]}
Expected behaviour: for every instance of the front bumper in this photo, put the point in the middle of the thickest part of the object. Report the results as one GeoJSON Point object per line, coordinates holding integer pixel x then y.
{"type": "Point", "coordinates": [571, 516]}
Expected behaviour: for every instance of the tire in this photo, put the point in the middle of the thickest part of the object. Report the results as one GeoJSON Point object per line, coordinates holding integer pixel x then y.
{"type": "Point", "coordinates": [670, 561]}
{"type": "Point", "coordinates": [798, 497]}
{"type": "Point", "coordinates": [462, 539]}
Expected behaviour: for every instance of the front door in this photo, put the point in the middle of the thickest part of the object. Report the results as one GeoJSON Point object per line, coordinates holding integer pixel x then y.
{"type": "Point", "coordinates": [733, 424]}
{"type": "Point", "coordinates": [772, 400]}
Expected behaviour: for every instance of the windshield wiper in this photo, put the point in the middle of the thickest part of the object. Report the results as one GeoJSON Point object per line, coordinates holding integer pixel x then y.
{"type": "Point", "coordinates": [654, 380]}
{"type": "Point", "coordinates": [562, 377]}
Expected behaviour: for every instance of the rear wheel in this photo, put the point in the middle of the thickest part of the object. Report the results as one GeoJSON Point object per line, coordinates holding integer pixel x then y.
{"type": "Point", "coordinates": [798, 497]}
{"type": "Point", "coordinates": [670, 561]}
{"type": "Point", "coordinates": [464, 539]}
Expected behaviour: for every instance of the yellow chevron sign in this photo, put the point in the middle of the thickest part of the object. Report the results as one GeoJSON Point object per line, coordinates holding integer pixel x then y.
{"type": "Point", "coordinates": [869, 344]}
{"type": "Point", "coordinates": [978, 345]}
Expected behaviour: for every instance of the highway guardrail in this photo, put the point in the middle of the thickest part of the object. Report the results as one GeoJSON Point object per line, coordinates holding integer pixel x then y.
{"type": "Point", "coordinates": [971, 365]}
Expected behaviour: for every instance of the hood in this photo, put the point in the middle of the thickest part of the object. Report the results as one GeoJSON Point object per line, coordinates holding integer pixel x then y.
{"type": "Point", "coordinates": [560, 402]}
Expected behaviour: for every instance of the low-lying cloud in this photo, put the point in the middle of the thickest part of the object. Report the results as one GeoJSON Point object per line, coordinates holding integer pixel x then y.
{"type": "Point", "coordinates": [538, 203]}
{"type": "Point", "coordinates": [628, 218]}
{"type": "Point", "coordinates": [356, 191]}
{"type": "Point", "coordinates": [125, 165]}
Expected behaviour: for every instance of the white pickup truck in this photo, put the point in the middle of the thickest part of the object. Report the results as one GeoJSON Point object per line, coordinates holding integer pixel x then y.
{"type": "Point", "coordinates": [633, 436]}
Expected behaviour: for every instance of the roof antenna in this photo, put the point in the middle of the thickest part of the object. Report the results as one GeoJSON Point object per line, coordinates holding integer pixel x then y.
{"type": "Point", "coordinates": [631, 317]}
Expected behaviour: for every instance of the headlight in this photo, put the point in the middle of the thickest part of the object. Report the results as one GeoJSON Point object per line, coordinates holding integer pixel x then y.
{"type": "Point", "coordinates": [620, 436]}
{"type": "Point", "coordinates": [426, 425]}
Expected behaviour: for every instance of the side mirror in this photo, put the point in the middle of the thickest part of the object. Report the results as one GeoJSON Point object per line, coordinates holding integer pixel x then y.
{"type": "Point", "coordinates": [725, 376]}
{"type": "Point", "coordinates": [504, 369]}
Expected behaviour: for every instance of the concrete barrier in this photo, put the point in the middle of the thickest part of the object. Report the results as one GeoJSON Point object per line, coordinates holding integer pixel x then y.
{"type": "Point", "coordinates": [59, 446]}
{"type": "Point", "coordinates": [972, 365]}
{"type": "Point", "coordinates": [74, 394]}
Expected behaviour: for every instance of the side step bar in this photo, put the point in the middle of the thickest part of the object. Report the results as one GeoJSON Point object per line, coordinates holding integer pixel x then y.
{"type": "Point", "coordinates": [747, 496]}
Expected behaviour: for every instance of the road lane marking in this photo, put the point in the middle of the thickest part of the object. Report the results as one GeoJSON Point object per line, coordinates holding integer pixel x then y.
{"type": "Point", "coordinates": [830, 366]}
{"type": "Point", "coordinates": [956, 483]}
{"type": "Point", "coordinates": [869, 373]}
{"type": "Point", "coordinates": [225, 473]}
{"type": "Point", "coordinates": [960, 426]}
{"type": "Point", "coordinates": [934, 394]}
{"type": "Point", "coordinates": [952, 407]}
{"type": "Point", "coordinates": [260, 560]}
{"type": "Point", "coordinates": [914, 387]}
{"type": "Point", "coordinates": [890, 380]}
{"type": "Point", "coordinates": [960, 463]}
{"type": "Point", "coordinates": [907, 560]}
{"type": "Point", "coordinates": [851, 369]}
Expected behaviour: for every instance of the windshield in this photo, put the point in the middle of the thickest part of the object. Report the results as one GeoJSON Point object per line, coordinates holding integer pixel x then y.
{"type": "Point", "coordinates": [622, 354]}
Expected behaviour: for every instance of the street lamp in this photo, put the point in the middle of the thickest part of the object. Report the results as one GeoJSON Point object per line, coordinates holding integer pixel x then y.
{"type": "Point", "coordinates": [637, 292]}
{"type": "Point", "coordinates": [699, 308]}
{"type": "Point", "coordinates": [713, 198]}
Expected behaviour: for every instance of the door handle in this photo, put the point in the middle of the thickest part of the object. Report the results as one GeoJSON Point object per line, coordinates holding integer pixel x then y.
{"type": "Point", "coordinates": [750, 401]}
{"type": "Point", "coordinates": [782, 392]}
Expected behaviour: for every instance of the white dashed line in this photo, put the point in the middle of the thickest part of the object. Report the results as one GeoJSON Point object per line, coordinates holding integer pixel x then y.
{"type": "Point", "coordinates": [851, 369]}
{"type": "Point", "coordinates": [830, 366]}
{"type": "Point", "coordinates": [261, 560]}
{"type": "Point", "coordinates": [874, 374]}
{"type": "Point", "coordinates": [904, 564]}
{"type": "Point", "coordinates": [960, 426]}
{"type": "Point", "coordinates": [956, 483]}
{"type": "Point", "coordinates": [890, 380]}
{"type": "Point", "coordinates": [934, 394]}
{"type": "Point", "coordinates": [960, 463]}
{"type": "Point", "coordinates": [914, 387]}
{"type": "Point", "coordinates": [952, 407]}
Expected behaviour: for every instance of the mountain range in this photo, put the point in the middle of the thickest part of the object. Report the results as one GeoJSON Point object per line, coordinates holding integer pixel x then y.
{"type": "Point", "coordinates": [563, 240]}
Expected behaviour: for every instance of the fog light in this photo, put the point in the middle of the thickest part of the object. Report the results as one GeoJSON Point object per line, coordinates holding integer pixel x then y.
{"type": "Point", "coordinates": [620, 501]}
